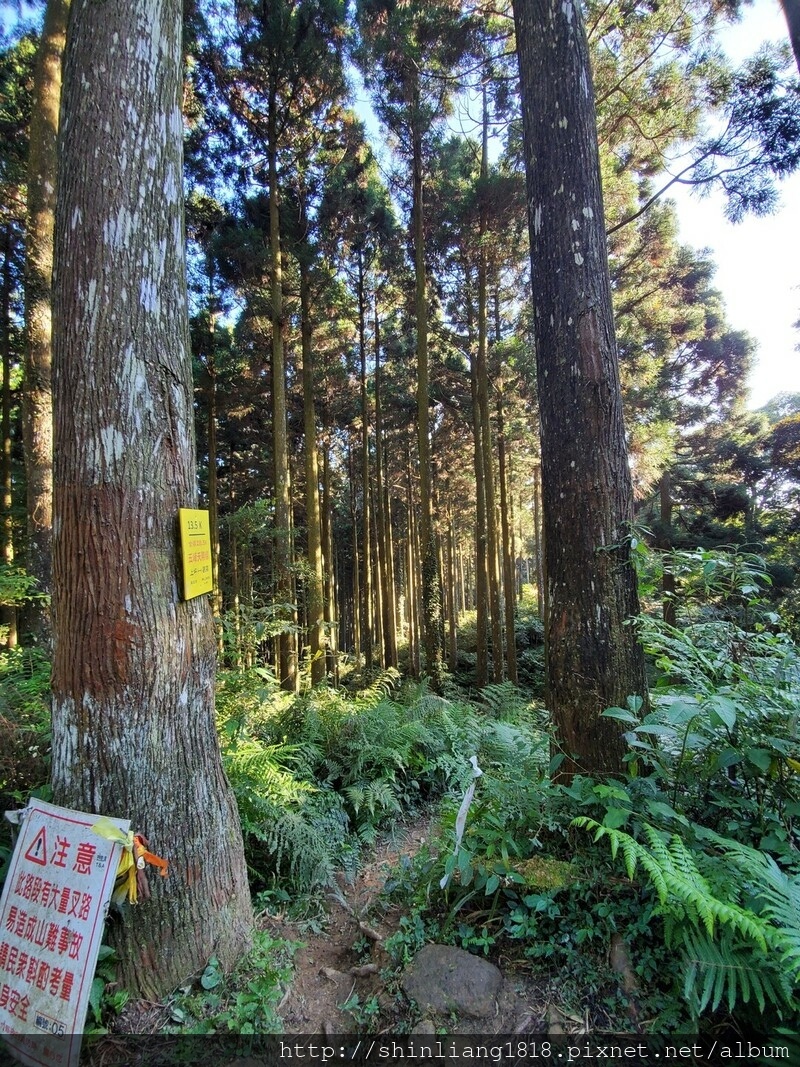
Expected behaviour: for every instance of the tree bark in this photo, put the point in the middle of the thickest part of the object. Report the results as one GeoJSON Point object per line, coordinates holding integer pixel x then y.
{"type": "Point", "coordinates": [133, 673]}
{"type": "Point", "coordinates": [38, 396]}
{"type": "Point", "coordinates": [284, 577]}
{"type": "Point", "coordinates": [8, 613]}
{"type": "Point", "coordinates": [593, 658]}
{"type": "Point", "coordinates": [486, 458]}
{"type": "Point", "coordinates": [509, 586]}
{"type": "Point", "coordinates": [383, 505]}
{"type": "Point", "coordinates": [431, 584]}
{"type": "Point", "coordinates": [316, 597]}
{"type": "Point", "coordinates": [368, 625]}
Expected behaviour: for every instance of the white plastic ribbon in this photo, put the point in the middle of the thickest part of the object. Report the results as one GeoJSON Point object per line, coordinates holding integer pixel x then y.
{"type": "Point", "coordinates": [461, 818]}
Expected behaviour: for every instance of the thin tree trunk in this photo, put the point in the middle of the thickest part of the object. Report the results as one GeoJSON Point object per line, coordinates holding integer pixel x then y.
{"type": "Point", "coordinates": [8, 613]}
{"type": "Point", "coordinates": [431, 586]}
{"type": "Point", "coordinates": [366, 515]}
{"type": "Point", "coordinates": [38, 397]}
{"type": "Point", "coordinates": [315, 599]}
{"type": "Point", "coordinates": [357, 625]}
{"type": "Point", "coordinates": [287, 665]}
{"type": "Point", "coordinates": [509, 586]}
{"type": "Point", "coordinates": [668, 577]}
{"type": "Point", "coordinates": [211, 430]}
{"type": "Point", "coordinates": [412, 596]}
{"type": "Point", "coordinates": [452, 598]}
{"type": "Point", "coordinates": [384, 525]}
{"type": "Point", "coordinates": [329, 569]}
{"type": "Point", "coordinates": [481, 550]}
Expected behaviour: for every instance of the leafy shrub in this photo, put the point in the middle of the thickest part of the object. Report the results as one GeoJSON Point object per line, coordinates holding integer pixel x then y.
{"type": "Point", "coordinates": [245, 1001]}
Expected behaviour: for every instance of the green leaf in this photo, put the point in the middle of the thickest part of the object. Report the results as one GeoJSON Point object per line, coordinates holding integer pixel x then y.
{"type": "Point", "coordinates": [96, 998]}
{"type": "Point", "coordinates": [658, 730]}
{"type": "Point", "coordinates": [621, 714]}
{"type": "Point", "coordinates": [727, 757]}
{"type": "Point", "coordinates": [211, 976]}
{"type": "Point", "coordinates": [723, 711]}
{"type": "Point", "coordinates": [615, 817]}
{"type": "Point", "coordinates": [759, 757]}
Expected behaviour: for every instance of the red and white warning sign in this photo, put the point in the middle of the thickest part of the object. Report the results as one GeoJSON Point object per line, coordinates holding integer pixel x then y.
{"type": "Point", "coordinates": [51, 924]}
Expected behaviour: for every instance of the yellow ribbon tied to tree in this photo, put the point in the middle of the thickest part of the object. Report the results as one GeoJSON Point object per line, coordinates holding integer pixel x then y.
{"type": "Point", "coordinates": [131, 880]}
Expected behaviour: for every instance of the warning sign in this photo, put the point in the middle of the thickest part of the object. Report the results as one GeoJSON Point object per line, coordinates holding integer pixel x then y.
{"type": "Point", "coordinates": [51, 925]}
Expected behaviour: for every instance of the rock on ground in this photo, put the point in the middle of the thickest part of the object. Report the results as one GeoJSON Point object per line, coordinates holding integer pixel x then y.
{"type": "Point", "coordinates": [443, 979]}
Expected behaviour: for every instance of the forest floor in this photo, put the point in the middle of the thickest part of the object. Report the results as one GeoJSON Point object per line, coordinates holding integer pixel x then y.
{"type": "Point", "coordinates": [345, 963]}
{"type": "Point", "coordinates": [340, 961]}
{"type": "Point", "coordinates": [343, 980]}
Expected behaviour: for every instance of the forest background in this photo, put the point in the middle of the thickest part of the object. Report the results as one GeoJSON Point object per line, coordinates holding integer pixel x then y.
{"type": "Point", "coordinates": [366, 415]}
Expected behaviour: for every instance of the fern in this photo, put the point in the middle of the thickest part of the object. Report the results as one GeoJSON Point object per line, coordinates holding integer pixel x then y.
{"type": "Point", "coordinates": [724, 970]}
{"type": "Point", "coordinates": [730, 952]}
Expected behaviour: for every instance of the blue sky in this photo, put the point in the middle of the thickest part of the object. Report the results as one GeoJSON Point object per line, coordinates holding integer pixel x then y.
{"type": "Point", "coordinates": [758, 260]}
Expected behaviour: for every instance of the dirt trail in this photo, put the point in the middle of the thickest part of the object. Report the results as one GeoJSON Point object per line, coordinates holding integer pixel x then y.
{"type": "Point", "coordinates": [328, 971]}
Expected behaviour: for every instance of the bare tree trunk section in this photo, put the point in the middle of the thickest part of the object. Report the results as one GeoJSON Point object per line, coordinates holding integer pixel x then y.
{"type": "Point", "coordinates": [668, 606]}
{"type": "Point", "coordinates": [284, 577]}
{"type": "Point", "coordinates": [8, 613]}
{"type": "Point", "coordinates": [593, 658]}
{"type": "Point", "coordinates": [315, 598]}
{"type": "Point", "coordinates": [38, 397]}
{"type": "Point", "coordinates": [431, 584]}
{"type": "Point", "coordinates": [385, 561]}
{"type": "Point", "coordinates": [133, 672]}
{"type": "Point", "coordinates": [509, 586]}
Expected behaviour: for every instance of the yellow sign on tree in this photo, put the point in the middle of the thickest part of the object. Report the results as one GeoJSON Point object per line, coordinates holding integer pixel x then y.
{"type": "Point", "coordinates": [196, 552]}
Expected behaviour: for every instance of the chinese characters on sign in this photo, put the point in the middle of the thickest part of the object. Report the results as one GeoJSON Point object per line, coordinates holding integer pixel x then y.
{"type": "Point", "coordinates": [195, 552]}
{"type": "Point", "coordinates": [51, 925]}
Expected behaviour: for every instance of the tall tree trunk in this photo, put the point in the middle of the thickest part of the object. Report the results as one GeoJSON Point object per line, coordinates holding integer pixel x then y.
{"type": "Point", "coordinates": [38, 397]}
{"type": "Point", "coordinates": [593, 658]}
{"type": "Point", "coordinates": [431, 585]}
{"type": "Point", "coordinates": [329, 569]}
{"type": "Point", "coordinates": [357, 623]}
{"type": "Point", "coordinates": [211, 432]}
{"type": "Point", "coordinates": [133, 671]}
{"type": "Point", "coordinates": [452, 598]}
{"type": "Point", "coordinates": [315, 600]}
{"type": "Point", "coordinates": [8, 613]}
{"type": "Point", "coordinates": [284, 577]}
{"type": "Point", "coordinates": [412, 592]}
{"type": "Point", "coordinates": [482, 612]}
{"type": "Point", "coordinates": [482, 375]}
{"type": "Point", "coordinates": [509, 586]}
{"type": "Point", "coordinates": [382, 505]}
{"type": "Point", "coordinates": [668, 577]}
{"type": "Point", "coordinates": [366, 495]}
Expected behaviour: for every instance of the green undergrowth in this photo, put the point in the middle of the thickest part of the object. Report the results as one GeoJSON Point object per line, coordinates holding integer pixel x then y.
{"type": "Point", "coordinates": [317, 777]}
{"type": "Point", "coordinates": [243, 1001]}
{"type": "Point", "coordinates": [689, 860]}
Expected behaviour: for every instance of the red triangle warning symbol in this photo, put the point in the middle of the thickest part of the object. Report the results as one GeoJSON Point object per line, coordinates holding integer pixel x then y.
{"type": "Point", "coordinates": [37, 853]}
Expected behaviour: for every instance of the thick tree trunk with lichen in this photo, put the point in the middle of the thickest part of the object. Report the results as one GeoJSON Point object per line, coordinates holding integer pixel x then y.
{"type": "Point", "coordinates": [593, 658]}
{"type": "Point", "coordinates": [133, 672]}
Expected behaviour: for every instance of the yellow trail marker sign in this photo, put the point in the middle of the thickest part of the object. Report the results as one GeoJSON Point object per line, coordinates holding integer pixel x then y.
{"type": "Point", "coordinates": [195, 530]}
